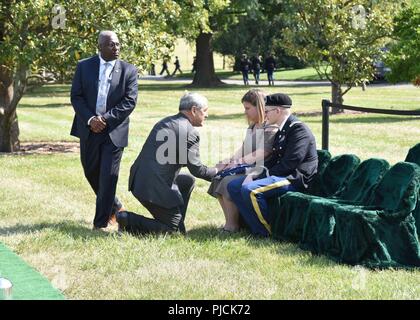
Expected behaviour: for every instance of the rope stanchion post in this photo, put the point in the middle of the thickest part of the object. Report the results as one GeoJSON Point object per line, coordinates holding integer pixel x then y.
{"type": "Point", "coordinates": [325, 123]}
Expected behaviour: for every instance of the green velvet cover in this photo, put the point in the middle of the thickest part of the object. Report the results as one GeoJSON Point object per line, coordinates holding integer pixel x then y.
{"type": "Point", "coordinates": [414, 157]}
{"type": "Point", "coordinates": [319, 224]}
{"type": "Point", "coordinates": [324, 158]}
{"type": "Point", "coordinates": [290, 212]}
{"type": "Point", "coordinates": [414, 154]}
{"type": "Point", "coordinates": [338, 170]}
{"type": "Point", "coordinates": [382, 234]}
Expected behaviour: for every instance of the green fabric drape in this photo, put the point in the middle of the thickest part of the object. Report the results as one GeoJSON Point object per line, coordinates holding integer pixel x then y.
{"type": "Point", "coordinates": [383, 233]}
{"type": "Point", "coordinates": [319, 224]}
{"type": "Point", "coordinates": [414, 157]}
{"type": "Point", "coordinates": [324, 158]}
{"type": "Point", "coordinates": [367, 214]}
{"type": "Point", "coordinates": [290, 214]}
{"type": "Point", "coordinates": [414, 154]}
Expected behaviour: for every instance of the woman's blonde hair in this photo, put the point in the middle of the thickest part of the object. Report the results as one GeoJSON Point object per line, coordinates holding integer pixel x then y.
{"type": "Point", "coordinates": [256, 97]}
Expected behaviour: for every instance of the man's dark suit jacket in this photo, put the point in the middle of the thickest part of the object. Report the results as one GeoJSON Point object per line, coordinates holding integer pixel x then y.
{"type": "Point", "coordinates": [121, 101]}
{"type": "Point", "coordinates": [153, 182]}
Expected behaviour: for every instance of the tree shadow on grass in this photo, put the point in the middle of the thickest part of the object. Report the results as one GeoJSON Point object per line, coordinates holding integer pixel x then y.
{"type": "Point", "coordinates": [288, 249]}
{"type": "Point", "coordinates": [230, 116]}
{"type": "Point", "coordinates": [50, 91]}
{"type": "Point", "coordinates": [241, 115]}
{"type": "Point", "coordinates": [374, 119]}
{"type": "Point", "coordinates": [351, 119]}
{"type": "Point", "coordinates": [74, 230]}
{"type": "Point", "coordinates": [187, 86]}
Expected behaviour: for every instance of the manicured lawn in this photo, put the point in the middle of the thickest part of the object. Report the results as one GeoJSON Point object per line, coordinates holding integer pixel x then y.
{"type": "Point", "coordinates": [47, 206]}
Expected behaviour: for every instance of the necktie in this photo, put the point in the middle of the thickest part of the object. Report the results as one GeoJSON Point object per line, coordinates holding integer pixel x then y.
{"type": "Point", "coordinates": [103, 90]}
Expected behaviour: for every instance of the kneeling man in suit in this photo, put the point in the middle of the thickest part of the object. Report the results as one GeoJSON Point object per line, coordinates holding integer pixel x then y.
{"type": "Point", "coordinates": [154, 178]}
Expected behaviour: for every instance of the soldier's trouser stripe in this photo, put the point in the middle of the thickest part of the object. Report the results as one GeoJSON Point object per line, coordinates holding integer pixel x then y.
{"type": "Point", "coordinates": [254, 201]}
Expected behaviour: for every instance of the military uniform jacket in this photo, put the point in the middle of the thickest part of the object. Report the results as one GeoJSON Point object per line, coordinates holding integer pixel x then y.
{"type": "Point", "coordinates": [294, 154]}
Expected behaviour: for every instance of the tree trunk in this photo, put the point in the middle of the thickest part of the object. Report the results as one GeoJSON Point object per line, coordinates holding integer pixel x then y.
{"type": "Point", "coordinates": [205, 76]}
{"type": "Point", "coordinates": [11, 91]}
{"type": "Point", "coordinates": [337, 96]}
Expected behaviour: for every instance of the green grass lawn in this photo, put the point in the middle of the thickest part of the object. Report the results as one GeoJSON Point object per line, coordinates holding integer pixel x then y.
{"type": "Point", "coordinates": [47, 206]}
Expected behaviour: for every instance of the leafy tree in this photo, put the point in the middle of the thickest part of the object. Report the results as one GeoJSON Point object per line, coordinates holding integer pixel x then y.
{"type": "Point", "coordinates": [404, 57]}
{"type": "Point", "coordinates": [199, 21]}
{"type": "Point", "coordinates": [31, 41]}
{"type": "Point", "coordinates": [340, 38]}
{"type": "Point", "coordinates": [257, 33]}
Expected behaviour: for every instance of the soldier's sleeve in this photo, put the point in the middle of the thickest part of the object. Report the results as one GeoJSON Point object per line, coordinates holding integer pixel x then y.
{"type": "Point", "coordinates": [295, 152]}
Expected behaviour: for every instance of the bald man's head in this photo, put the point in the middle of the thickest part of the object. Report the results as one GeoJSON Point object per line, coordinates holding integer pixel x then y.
{"type": "Point", "coordinates": [108, 45]}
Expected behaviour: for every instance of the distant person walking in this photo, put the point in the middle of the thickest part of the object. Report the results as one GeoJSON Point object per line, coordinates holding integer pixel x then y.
{"type": "Point", "coordinates": [256, 68]}
{"type": "Point", "coordinates": [245, 66]}
{"type": "Point", "coordinates": [270, 66]}
{"type": "Point", "coordinates": [165, 68]}
{"type": "Point", "coordinates": [177, 66]}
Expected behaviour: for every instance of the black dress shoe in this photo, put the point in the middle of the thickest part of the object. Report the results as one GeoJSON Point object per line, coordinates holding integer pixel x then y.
{"type": "Point", "coordinates": [122, 220]}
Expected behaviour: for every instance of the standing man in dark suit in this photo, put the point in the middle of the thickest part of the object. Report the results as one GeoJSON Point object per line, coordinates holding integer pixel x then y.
{"type": "Point", "coordinates": [103, 95]}
{"type": "Point", "coordinates": [155, 180]}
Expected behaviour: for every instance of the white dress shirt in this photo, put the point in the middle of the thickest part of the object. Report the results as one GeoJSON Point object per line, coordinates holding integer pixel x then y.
{"type": "Point", "coordinates": [104, 82]}
{"type": "Point", "coordinates": [283, 123]}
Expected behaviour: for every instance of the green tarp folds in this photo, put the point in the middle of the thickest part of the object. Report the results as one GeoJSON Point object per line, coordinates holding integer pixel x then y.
{"type": "Point", "coordinates": [384, 233]}
{"type": "Point", "coordinates": [361, 214]}
{"type": "Point", "coordinates": [319, 224]}
{"type": "Point", "coordinates": [290, 211]}
{"type": "Point", "coordinates": [324, 158]}
{"type": "Point", "coordinates": [414, 157]}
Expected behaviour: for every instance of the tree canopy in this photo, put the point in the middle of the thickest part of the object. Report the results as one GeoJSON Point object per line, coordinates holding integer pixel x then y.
{"type": "Point", "coordinates": [340, 38]}
{"type": "Point", "coordinates": [404, 57]}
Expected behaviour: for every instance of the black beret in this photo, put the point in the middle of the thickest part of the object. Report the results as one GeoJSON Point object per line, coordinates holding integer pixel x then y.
{"type": "Point", "coordinates": [278, 100]}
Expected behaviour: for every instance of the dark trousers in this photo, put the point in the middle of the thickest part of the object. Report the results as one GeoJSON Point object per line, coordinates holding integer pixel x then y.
{"type": "Point", "coordinates": [165, 220]}
{"type": "Point", "coordinates": [270, 77]}
{"type": "Point", "coordinates": [257, 76]}
{"type": "Point", "coordinates": [245, 77]}
{"type": "Point", "coordinates": [252, 200]}
{"type": "Point", "coordinates": [177, 69]}
{"type": "Point", "coordinates": [165, 69]}
{"type": "Point", "coordinates": [101, 164]}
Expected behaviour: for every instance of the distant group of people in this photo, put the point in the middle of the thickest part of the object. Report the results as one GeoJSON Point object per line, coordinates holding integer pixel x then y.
{"type": "Point", "coordinates": [256, 66]}
{"type": "Point", "coordinates": [165, 68]}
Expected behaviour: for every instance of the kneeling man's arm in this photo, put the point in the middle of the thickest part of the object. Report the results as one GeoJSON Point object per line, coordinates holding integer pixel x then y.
{"type": "Point", "coordinates": [194, 164]}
